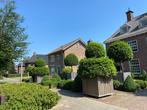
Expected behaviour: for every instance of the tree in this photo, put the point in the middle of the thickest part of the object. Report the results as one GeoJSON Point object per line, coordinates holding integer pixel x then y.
{"type": "Point", "coordinates": [120, 52]}
{"type": "Point", "coordinates": [39, 69]}
{"type": "Point", "coordinates": [94, 49]}
{"type": "Point", "coordinates": [13, 43]}
{"type": "Point", "coordinates": [71, 60]}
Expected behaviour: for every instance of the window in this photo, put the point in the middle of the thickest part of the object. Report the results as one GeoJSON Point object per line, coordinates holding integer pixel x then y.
{"type": "Point", "coordinates": [52, 58]}
{"type": "Point", "coordinates": [134, 45]}
{"type": "Point", "coordinates": [124, 29]}
{"type": "Point", "coordinates": [143, 23]}
{"type": "Point", "coordinates": [58, 57]}
{"type": "Point", "coordinates": [134, 66]}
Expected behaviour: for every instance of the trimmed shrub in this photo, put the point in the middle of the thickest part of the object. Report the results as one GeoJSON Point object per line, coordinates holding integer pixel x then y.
{"type": "Point", "coordinates": [77, 84]}
{"type": "Point", "coordinates": [39, 70]}
{"type": "Point", "coordinates": [141, 84]}
{"type": "Point", "coordinates": [68, 85]}
{"type": "Point", "coordinates": [26, 96]}
{"type": "Point", "coordinates": [144, 75]}
{"type": "Point", "coordinates": [65, 72]}
{"type": "Point", "coordinates": [116, 84]}
{"type": "Point", "coordinates": [52, 82]}
{"type": "Point", "coordinates": [45, 80]}
{"type": "Point", "coordinates": [129, 84]}
{"type": "Point", "coordinates": [1, 77]}
{"type": "Point", "coordinates": [94, 50]}
{"type": "Point", "coordinates": [71, 60]}
{"type": "Point", "coordinates": [39, 63]}
{"type": "Point", "coordinates": [96, 67]}
{"type": "Point", "coordinates": [56, 77]}
{"type": "Point", "coordinates": [120, 51]}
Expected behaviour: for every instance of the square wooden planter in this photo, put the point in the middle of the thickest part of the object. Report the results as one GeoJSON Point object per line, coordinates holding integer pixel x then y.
{"type": "Point", "coordinates": [98, 87]}
{"type": "Point", "coordinates": [2, 99]}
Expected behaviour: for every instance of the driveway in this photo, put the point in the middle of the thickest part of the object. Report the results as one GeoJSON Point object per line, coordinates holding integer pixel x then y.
{"type": "Point", "coordinates": [74, 101]}
{"type": "Point", "coordinates": [137, 101]}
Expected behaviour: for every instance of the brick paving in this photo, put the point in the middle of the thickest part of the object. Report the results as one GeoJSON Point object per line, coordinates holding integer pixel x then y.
{"type": "Point", "coordinates": [136, 101]}
{"type": "Point", "coordinates": [74, 101]}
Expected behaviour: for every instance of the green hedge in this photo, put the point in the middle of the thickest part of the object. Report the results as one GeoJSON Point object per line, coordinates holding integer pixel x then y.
{"type": "Point", "coordinates": [96, 67]}
{"type": "Point", "coordinates": [51, 81]}
{"type": "Point", "coordinates": [116, 84]}
{"type": "Point", "coordinates": [26, 96]}
{"type": "Point", "coordinates": [15, 75]}
{"type": "Point", "coordinates": [129, 84]}
{"type": "Point", "coordinates": [141, 84]}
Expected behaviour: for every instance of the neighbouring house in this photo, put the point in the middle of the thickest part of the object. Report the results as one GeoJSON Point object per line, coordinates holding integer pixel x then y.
{"type": "Point", "coordinates": [134, 31]}
{"type": "Point", "coordinates": [56, 58]}
{"type": "Point", "coordinates": [31, 61]}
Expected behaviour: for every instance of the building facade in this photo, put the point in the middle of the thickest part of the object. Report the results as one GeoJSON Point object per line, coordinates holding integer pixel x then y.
{"type": "Point", "coordinates": [134, 31]}
{"type": "Point", "coordinates": [56, 58]}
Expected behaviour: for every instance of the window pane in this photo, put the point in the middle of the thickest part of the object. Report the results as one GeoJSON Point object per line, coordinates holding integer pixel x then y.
{"type": "Point", "coordinates": [134, 66]}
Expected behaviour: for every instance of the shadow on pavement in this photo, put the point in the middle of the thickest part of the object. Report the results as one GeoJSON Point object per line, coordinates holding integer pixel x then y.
{"type": "Point", "coordinates": [141, 93]}
{"type": "Point", "coordinates": [69, 93]}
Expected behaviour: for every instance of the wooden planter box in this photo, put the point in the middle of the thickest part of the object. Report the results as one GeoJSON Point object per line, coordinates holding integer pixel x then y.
{"type": "Point", "coordinates": [37, 79]}
{"type": "Point", "coordinates": [98, 87]}
{"type": "Point", "coordinates": [2, 99]}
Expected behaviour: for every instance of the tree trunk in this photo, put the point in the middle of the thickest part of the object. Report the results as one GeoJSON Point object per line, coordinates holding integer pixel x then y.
{"type": "Point", "coordinates": [122, 67]}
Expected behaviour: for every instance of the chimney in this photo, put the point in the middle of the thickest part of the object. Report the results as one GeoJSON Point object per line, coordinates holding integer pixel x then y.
{"type": "Point", "coordinates": [89, 41]}
{"type": "Point", "coordinates": [129, 14]}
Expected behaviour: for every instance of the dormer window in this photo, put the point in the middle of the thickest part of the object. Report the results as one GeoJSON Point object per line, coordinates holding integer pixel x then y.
{"type": "Point", "coordinates": [124, 29]}
{"type": "Point", "coordinates": [143, 22]}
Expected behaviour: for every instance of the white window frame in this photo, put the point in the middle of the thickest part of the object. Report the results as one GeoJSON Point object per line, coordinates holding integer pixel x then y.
{"type": "Point", "coordinates": [136, 45]}
{"type": "Point", "coordinates": [137, 65]}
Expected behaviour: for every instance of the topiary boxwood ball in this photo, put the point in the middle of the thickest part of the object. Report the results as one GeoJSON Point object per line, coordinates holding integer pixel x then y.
{"type": "Point", "coordinates": [94, 50]}
{"type": "Point", "coordinates": [96, 67]}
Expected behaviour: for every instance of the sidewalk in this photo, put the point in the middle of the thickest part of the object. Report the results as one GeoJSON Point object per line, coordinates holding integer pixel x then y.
{"type": "Point", "coordinates": [73, 101]}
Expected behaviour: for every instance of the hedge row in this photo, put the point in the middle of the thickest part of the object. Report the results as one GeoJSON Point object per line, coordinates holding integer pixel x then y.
{"type": "Point", "coordinates": [130, 85]}
{"type": "Point", "coordinates": [27, 97]}
{"type": "Point", "coordinates": [56, 82]}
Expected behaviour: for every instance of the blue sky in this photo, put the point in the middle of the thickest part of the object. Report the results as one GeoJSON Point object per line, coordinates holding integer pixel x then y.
{"type": "Point", "coordinates": [51, 23]}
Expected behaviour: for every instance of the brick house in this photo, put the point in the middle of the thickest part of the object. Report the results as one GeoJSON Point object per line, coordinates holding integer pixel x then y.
{"type": "Point", "coordinates": [56, 58]}
{"type": "Point", "coordinates": [134, 31]}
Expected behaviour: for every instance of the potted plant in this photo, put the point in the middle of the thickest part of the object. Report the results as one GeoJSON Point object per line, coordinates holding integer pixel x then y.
{"type": "Point", "coordinates": [38, 71]}
{"type": "Point", "coordinates": [96, 71]}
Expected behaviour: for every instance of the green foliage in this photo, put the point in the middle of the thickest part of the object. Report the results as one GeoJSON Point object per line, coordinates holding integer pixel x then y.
{"type": "Point", "coordinates": [129, 84]}
{"type": "Point", "coordinates": [56, 77]}
{"type": "Point", "coordinates": [39, 63]}
{"type": "Point", "coordinates": [27, 96]}
{"type": "Point", "coordinates": [13, 37]}
{"type": "Point", "coordinates": [15, 75]}
{"type": "Point", "coordinates": [141, 84]}
{"type": "Point", "coordinates": [116, 84]}
{"type": "Point", "coordinates": [52, 82]}
{"type": "Point", "coordinates": [45, 80]}
{"type": "Point", "coordinates": [94, 50]}
{"type": "Point", "coordinates": [144, 75]}
{"type": "Point", "coordinates": [120, 51]}
{"type": "Point", "coordinates": [65, 72]}
{"type": "Point", "coordinates": [1, 77]}
{"type": "Point", "coordinates": [96, 67]}
{"type": "Point", "coordinates": [39, 70]}
{"type": "Point", "coordinates": [77, 84]}
{"type": "Point", "coordinates": [71, 60]}
{"type": "Point", "coordinates": [65, 84]}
